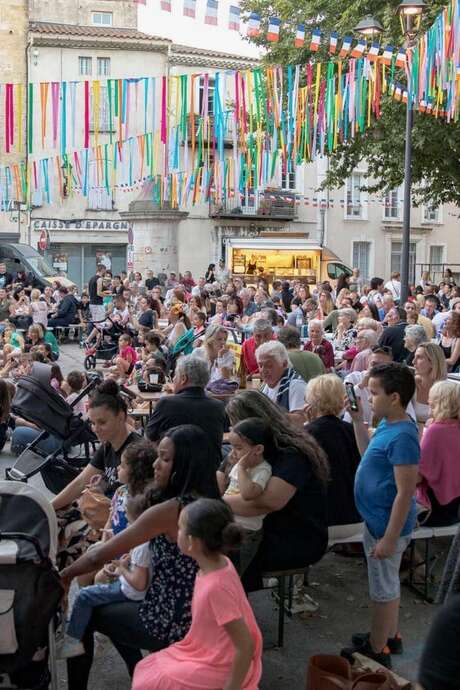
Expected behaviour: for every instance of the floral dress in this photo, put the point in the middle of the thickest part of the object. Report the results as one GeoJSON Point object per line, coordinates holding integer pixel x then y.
{"type": "Point", "coordinates": [166, 612]}
{"type": "Point", "coordinates": [346, 341]}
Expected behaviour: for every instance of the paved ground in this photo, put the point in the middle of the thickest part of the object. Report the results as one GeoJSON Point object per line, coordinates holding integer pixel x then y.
{"type": "Point", "coordinates": [338, 584]}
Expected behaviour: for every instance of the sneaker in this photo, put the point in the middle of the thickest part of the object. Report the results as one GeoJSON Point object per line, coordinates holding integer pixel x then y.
{"type": "Point", "coordinates": [69, 647]}
{"type": "Point", "coordinates": [383, 657]}
{"type": "Point", "coordinates": [394, 644]}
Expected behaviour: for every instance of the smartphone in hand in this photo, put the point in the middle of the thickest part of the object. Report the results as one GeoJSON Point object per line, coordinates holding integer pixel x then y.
{"type": "Point", "coordinates": [351, 395]}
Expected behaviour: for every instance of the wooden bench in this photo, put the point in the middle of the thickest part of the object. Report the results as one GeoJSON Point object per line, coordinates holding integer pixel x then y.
{"type": "Point", "coordinates": [62, 332]}
{"type": "Point", "coordinates": [425, 534]}
{"type": "Point", "coordinates": [285, 595]}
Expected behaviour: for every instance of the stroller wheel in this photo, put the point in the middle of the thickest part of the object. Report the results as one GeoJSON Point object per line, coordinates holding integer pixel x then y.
{"type": "Point", "coordinates": [90, 362]}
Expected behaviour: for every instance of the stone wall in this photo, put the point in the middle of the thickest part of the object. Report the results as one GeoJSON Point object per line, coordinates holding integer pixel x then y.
{"type": "Point", "coordinates": [79, 11]}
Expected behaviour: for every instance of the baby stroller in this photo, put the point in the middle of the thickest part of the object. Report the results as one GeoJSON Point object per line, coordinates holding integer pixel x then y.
{"type": "Point", "coordinates": [183, 346]}
{"type": "Point", "coordinates": [108, 346]}
{"type": "Point", "coordinates": [30, 589]}
{"type": "Point", "coordinates": [37, 402]}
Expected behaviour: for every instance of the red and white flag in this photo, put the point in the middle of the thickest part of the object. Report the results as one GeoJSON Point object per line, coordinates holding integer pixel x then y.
{"type": "Point", "coordinates": [315, 40]}
{"type": "Point", "coordinates": [359, 49]}
{"type": "Point", "coordinates": [387, 55]}
{"type": "Point", "coordinates": [300, 36]}
{"type": "Point", "coordinates": [234, 18]}
{"type": "Point", "coordinates": [190, 8]}
{"type": "Point", "coordinates": [253, 25]}
{"type": "Point", "coordinates": [346, 46]}
{"type": "Point", "coordinates": [273, 33]}
{"type": "Point", "coordinates": [373, 52]}
{"type": "Point", "coordinates": [334, 37]}
{"type": "Point", "coordinates": [211, 13]}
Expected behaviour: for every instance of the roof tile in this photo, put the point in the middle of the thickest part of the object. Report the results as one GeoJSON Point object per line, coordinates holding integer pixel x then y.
{"type": "Point", "coordinates": [56, 29]}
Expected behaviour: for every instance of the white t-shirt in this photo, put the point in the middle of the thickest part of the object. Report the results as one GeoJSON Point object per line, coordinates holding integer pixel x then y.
{"type": "Point", "coordinates": [394, 286]}
{"type": "Point", "coordinates": [297, 389]}
{"type": "Point", "coordinates": [140, 556]}
{"type": "Point", "coordinates": [260, 474]}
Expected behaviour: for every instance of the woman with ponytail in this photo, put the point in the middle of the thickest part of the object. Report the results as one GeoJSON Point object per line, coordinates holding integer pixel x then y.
{"type": "Point", "coordinates": [223, 647]}
{"type": "Point", "coordinates": [108, 415]}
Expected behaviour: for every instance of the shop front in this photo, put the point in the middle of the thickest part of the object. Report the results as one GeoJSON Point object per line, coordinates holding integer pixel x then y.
{"type": "Point", "coordinates": [75, 247]}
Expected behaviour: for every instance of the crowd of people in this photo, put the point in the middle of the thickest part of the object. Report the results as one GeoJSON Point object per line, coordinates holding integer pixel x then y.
{"type": "Point", "coordinates": [291, 416]}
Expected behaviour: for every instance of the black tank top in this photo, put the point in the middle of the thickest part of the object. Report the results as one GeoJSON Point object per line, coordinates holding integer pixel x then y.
{"type": "Point", "coordinates": [94, 298]}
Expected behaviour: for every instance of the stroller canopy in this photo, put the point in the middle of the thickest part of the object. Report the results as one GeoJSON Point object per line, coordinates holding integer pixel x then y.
{"type": "Point", "coordinates": [23, 508]}
{"type": "Point", "coordinates": [37, 401]}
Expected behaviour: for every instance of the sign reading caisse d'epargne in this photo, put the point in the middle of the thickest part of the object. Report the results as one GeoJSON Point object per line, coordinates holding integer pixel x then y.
{"type": "Point", "coordinates": [85, 224]}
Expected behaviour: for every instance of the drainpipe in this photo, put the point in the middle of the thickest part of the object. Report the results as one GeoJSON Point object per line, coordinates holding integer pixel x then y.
{"type": "Point", "coordinates": [27, 58]}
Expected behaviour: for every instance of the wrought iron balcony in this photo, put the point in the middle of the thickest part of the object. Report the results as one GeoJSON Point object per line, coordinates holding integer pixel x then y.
{"type": "Point", "coordinates": [270, 204]}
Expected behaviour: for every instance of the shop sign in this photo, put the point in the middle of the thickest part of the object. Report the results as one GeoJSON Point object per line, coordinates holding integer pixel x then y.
{"type": "Point", "coordinates": [84, 225]}
{"type": "Point", "coordinates": [130, 258]}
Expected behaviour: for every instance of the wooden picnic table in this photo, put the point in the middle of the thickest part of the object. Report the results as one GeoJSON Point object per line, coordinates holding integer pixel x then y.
{"type": "Point", "coordinates": [151, 398]}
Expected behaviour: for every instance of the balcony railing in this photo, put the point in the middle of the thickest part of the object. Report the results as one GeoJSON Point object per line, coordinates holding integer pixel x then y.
{"type": "Point", "coordinates": [208, 130]}
{"type": "Point", "coordinates": [272, 204]}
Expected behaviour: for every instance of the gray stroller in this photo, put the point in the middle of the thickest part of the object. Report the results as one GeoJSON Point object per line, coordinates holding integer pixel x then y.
{"type": "Point", "coordinates": [30, 589]}
{"type": "Point", "coordinates": [38, 402]}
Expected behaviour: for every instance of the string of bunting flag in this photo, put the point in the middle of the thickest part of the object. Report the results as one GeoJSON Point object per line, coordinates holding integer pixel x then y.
{"type": "Point", "coordinates": [432, 67]}
{"type": "Point", "coordinates": [435, 63]}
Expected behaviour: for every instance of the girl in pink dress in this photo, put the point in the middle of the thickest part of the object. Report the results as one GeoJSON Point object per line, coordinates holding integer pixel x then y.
{"type": "Point", "coordinates": [223, 648]}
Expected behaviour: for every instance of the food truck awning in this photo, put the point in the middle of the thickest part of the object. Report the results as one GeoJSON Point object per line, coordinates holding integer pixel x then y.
{"type": "Point", "coordinates": [281, 243]}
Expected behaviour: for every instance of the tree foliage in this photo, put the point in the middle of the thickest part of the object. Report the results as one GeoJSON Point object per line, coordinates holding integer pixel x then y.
{"type": "Point", "coordinates": [436, 144]}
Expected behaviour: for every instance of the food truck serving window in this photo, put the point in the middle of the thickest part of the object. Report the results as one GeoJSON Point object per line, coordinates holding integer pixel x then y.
{"type": "Point", "coordinates": [273, 263]}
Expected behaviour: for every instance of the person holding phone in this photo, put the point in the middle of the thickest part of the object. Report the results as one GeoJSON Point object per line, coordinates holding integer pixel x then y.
{"type": "Point", "coordinates": [385, 485]}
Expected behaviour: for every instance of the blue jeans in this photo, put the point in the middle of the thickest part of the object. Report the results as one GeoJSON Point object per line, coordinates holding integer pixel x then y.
{"type": "Point", "coordinates": [23, 435]}
{"type": "Point", "coordinates": [88, 598]}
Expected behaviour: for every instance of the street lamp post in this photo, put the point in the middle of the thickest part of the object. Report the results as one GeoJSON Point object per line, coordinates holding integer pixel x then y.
{"type": "Point", "coordinates": [410, 12]}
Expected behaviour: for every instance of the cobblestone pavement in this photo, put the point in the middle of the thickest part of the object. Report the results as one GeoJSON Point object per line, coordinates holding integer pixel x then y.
{"type": "Point", "coordinates": [338, 584]}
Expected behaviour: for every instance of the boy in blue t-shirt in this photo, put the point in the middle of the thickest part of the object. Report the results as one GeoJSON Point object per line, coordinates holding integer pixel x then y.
{"type": "Point", "coordinates": [384, 492]}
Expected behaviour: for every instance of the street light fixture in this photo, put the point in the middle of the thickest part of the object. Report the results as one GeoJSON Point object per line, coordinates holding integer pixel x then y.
{"type": "Point", "coordinates": [410, 13]}
{"type": "Point", "coordinates": [369, 26]}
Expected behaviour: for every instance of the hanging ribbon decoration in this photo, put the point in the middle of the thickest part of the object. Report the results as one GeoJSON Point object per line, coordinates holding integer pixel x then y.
{"type": "Point", "coordinates": [272, 116]}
